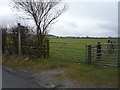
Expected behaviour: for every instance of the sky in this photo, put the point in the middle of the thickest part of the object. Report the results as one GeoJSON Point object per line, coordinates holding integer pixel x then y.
{"type": "Point", "coordinates": [82, 18]}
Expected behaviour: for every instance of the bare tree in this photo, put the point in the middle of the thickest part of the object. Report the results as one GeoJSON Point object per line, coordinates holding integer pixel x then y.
{"type": "Point", "coordinates": [42, 12]}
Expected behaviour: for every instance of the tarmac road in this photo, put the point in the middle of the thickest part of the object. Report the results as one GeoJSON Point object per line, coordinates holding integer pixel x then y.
{"type": "Point", "coordinates": [10, 80]}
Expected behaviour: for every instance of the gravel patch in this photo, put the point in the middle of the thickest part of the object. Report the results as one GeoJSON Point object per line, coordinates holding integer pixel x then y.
{"type": "Point", "coordinates": [48, 80]}
{"type": "Point", "coordinates": [44, 78]}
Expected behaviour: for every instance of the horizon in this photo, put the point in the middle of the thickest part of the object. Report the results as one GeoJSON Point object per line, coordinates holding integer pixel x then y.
{"type": "Point", "coordinates": [84, 36]}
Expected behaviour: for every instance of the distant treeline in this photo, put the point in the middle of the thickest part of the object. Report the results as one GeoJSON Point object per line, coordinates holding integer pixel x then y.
{"type": "Point", "coordinates": [89, 37]}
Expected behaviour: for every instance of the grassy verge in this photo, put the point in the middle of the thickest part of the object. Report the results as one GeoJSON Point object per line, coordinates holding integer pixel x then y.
{"type": "Point", "coordinates": [84, 74]}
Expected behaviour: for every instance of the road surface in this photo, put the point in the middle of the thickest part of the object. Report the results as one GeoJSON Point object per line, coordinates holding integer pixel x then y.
{"type": "Point", "coordinates": [10, 80]}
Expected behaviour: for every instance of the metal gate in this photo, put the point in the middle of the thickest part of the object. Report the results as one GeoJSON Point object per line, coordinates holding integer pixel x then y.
{"type": "Point", "coordinates": [68, 51]}
{"type": "Point", "coordinates": [108, 54]}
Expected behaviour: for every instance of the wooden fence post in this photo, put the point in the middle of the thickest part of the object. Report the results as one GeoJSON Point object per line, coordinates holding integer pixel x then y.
{"type": "Point", "coordinates": [89, 54]}
{"type": "Point", "coordinates": [19, 41]}
{"type": "Point", "coordinates": [44, 49]}
{"type": "Point", "coordinates": [47, 48]}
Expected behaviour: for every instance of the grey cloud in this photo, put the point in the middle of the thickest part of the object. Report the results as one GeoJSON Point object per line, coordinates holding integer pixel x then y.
{"type": "Point", "coordinates": [72, 21]}
{"type": "Point", "coordinates": [109, 26]}
{"type": "Point", "coordinates": [71, 24]}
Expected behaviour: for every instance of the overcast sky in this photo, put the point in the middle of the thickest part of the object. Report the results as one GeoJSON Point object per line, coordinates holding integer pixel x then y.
{"type": "Point", "coordinates": [98, 19]}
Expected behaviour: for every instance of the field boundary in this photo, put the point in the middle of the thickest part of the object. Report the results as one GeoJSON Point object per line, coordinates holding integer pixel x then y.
{"type": "Point", "coordinates": [83, 53]}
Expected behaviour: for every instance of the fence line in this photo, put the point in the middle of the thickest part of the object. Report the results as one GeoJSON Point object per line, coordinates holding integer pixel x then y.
{"type": "Point", "coordinates": [77, 52]}
{"type": "Point", "coordinates": [84, 54]}
{"type": "Point", "coordinates": [68, 51]}
{"type": "Point", "coordinates": [31, 50]}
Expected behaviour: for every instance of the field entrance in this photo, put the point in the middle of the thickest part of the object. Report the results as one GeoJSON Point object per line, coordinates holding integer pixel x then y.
{"type": "Point", "coordinates": [68, 51]}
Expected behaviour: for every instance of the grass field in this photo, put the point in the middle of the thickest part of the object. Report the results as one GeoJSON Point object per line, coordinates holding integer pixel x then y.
{"type": "Point", "coordinates": [84, 74]}
{"type": "Point", "coordinates": [87, 41]}
{"type": "Point", "coordinates": [75, 49]}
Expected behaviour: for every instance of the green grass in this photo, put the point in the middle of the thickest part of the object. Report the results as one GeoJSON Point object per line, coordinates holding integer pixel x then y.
{"type": "Point", "coordinates": [92, 73]}
{"type": "Point", "coordinates": [68, 49]}
{"type": "Point", "coordinates": [87, 41]}
{"type": "Point", "coordinates": [83, 74]}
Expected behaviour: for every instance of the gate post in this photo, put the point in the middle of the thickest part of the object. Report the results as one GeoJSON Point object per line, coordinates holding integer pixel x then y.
{"type": "Point", "coordinates": [19, 41]}
{"type": "Point", "coordinates": [89, 54]}
{"type": "Point", "coordinates": [48, 48]}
